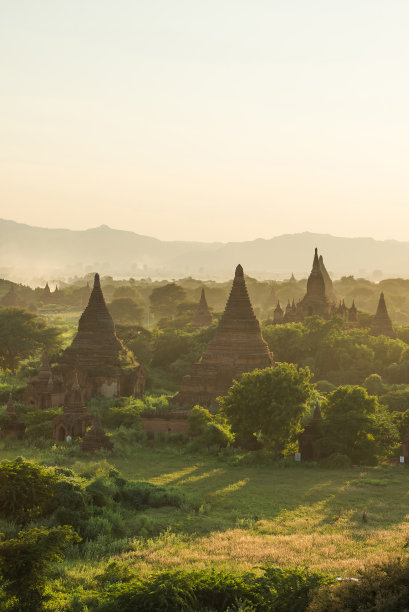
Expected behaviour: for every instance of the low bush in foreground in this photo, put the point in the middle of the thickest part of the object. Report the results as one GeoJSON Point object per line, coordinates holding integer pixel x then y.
{"type": "Point", "coordinates": [383, 587]}
{"type": "Point", "coordinates": [275, 590]}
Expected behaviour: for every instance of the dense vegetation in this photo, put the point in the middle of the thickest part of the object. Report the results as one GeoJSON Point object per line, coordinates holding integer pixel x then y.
{"type": "Point", "coordinates": [148, 519]}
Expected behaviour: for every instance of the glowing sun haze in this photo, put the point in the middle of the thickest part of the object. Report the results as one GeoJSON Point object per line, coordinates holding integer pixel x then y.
{"type": "Point", "coordinates": [218, 120]}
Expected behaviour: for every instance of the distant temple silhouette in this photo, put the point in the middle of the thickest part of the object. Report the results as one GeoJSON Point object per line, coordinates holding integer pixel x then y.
{"type": "Point", "coordinates": [320, 300]}
{"type": "Point", "coordinates": [237, 347]}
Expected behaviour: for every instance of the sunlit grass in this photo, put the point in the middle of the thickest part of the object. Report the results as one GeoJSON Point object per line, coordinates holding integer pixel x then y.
{"type": "Point", "coordinates": [331, 520]}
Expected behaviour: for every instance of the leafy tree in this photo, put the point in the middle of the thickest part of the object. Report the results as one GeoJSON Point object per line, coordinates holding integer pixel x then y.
{"type": "Point", "coordinates": [126, 291]}
{"type": "Point", "coordinates": [169, 345]}
{"type": "Point", "coordinates": [164, 300]}
{"type": "Point", "coordinates": [374, 385]}
{"type": "Point", "coordinates": [26, 490]}
{"type": "Point", "coordinates": [22, 335]}
{"type": "Point", "coordinates": [397, 400]}
{"type": "Point", "coordinates": [198, 418]}
{"type": "Point", "coordinates": [126, 310]}
{"type": "Point", "coordinates": [25, 563]}
{"type": "Point", "coordinates": [138, 339]}
{"type": "Point", "coordinates": [269, 403]}
{"type": "Point", "coordinates": [356, 425]}
{"type": "Point", "coordinates": [39, 423]}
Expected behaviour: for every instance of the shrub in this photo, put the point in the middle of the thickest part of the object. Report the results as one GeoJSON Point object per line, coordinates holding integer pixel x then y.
{"type": "Point", "coordinates": [383, 587]}
{"type": "Point", "coordinates": [199, 418]}
{"type": "Point", "coordinates": [218, 434]}
{"type": "Point", "coordinates": [324, 386]}
{"type": "Point", "coordinates": [25, 563]}
{"type": "Point", "coordinates": [26, 490]}
{"type": "Point", "coordinates": [39, 423]}
{"type": "Point", "coordinates": [276, 590]}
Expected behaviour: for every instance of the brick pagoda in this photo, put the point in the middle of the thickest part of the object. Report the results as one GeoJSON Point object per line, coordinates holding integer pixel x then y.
{"type": "Point", "coordinates": [237, 347]}
{"type": "Point", "coordinates": [381, 323]}
{"type": "Point", "coordinates": [203, 316]}
{"type": "Point", "coordinates": [103, 364]}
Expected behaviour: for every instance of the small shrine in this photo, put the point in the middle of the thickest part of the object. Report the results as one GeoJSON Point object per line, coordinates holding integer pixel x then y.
{"type": "Point", "coordinates": [75, 419]}
{"type": "Point", "coordinates": [46, 390]}
{"type": "Point", "coordinates": [95, 438]}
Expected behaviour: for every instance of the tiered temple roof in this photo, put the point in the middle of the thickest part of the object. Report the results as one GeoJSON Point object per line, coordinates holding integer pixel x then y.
{"type": "Point", "coordinates": [75, 418]}
{"type": "Point", "coordinates": [329, 288]}
{"type": "Point", "coordinates": [381, 323]}
{"type": "Point", "coordinates": [237, 347]}
{"type": "Point", "coordinates": [203, 316]}
{"type": "Point", "coordinates": [103, 364]}
{"type": "Point", "coordinates": [45, 391]}
{"type": "Point", "coordinates": [315, 301]}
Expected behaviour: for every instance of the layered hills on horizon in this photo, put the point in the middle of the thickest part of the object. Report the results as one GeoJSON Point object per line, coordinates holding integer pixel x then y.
{"type": "Point", "coordinates": [28, 253]}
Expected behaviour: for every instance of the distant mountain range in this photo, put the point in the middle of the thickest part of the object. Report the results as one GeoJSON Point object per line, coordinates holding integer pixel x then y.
{"type": "Point", "coordinates": [28, 253]}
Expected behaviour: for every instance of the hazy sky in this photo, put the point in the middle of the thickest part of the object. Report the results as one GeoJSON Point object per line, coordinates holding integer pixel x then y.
{"type": "Point", "coordinates": [206, 120]}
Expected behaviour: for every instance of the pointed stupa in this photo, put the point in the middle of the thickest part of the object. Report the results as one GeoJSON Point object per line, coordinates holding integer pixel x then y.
{"type": "Point", "coordinates": [103, 365]}
{"type": "Point", "coordinates": [381, 323]}
{"type": "Point", "coordinates": [237, 347]}
{"type": "Point", "coordinates": [315, 301]}
{"type": "Point", "coordinates": [203, 316]}
{"type": "Point", "coordinates": [96, 343]}
{"type": "Point", "coordinates": [353, 313]}
{"type": "Point", "coordinates": [73, 398]}
{"type": "Point", "coordinates": [95, 438]}
{"type": "Point", "coordinates": [329, 288]}
{"type": "Point", "coordinates": [278, 313]}
{"type": "Point", "coordinates": [292, 278]}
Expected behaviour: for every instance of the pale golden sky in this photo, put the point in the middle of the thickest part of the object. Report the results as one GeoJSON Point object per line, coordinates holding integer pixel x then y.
{"type": "Point", "coordinates": [218, 120]}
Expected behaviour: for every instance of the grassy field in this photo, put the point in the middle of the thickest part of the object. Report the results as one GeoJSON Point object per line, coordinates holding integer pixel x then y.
{"type": "Point", "coordinates": [249, 515]}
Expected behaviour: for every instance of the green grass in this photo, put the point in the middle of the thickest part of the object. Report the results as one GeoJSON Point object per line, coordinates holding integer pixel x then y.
{"type": "Point", "coordinates": [249, 515]}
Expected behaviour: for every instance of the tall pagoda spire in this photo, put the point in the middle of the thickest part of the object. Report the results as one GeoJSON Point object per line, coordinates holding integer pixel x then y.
{"type": "Point", "coordinates": [315, 282]}
{"type": "Point", "coordinates": [315, 301]}
{"type": "Point", "coordinates": [329, 288]}
{"type": "Point", "coordinates": [96, 354]}
{"type": "Point", "coordinates": [381, 323]}
{"type": "Point", "coordinates": [237, 347]}
{"type": "Point", "coordinates": [203, 316]}
{"type": "Point", "coordinates": [278, 313]}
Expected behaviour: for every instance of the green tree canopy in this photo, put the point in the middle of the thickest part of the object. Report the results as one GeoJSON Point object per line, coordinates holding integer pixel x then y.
{"type": "Point", "coordinates": [127, 291]}
{"type": "Point", "coordinates": [125, 310]}
{"type": "Point", "coordinates": [25, 563]}
{"type": "Point", "coordinates": [26, 490]}
{"type": "Point", "coordinates": [22, 335]}
{"type": "Point", "coordinates": [356, 425]}
{"type": "Point", "coordinates": [269, 403]}
{"type": "Point", "coordinates": [164, 300]}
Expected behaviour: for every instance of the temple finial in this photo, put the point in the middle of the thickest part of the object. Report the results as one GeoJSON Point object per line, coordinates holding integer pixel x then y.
{"type": "Point", "coordinates": [97, 283]}
{"type": "Point", "coordinates": [239, 272]}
